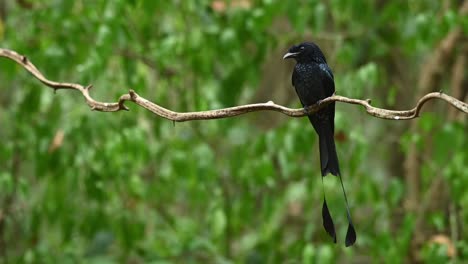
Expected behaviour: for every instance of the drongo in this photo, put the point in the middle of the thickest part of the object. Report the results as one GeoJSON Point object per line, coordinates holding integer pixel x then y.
{"type": "Point", "coordinates": [313, 80]}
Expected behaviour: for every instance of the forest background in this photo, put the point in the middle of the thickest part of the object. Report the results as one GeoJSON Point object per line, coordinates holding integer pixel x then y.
{"type": "Point", "coordinates": [130, 187]}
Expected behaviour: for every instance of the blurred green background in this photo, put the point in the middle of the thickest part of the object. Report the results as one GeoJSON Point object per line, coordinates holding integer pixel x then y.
{"type": "Point", "coordinates": [78, 186]}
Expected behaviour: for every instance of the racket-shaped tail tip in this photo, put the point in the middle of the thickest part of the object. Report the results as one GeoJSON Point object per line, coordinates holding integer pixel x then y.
{"type": "Point", "coordinates": [350, 236]}
{"type": "Point", "coordinates": [328, 221]}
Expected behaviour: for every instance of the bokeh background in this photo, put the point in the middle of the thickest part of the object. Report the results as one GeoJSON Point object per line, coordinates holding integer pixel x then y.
{"type": "Point", "coordinates": [78, 186]}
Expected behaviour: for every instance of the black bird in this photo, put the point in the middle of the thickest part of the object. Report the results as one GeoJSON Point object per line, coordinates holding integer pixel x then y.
{"type": "Point", "coordinates": [313, 81]}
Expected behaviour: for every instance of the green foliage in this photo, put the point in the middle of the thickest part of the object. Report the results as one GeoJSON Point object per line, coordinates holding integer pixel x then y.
{"type": "Point", "coordinates": [132, 187]}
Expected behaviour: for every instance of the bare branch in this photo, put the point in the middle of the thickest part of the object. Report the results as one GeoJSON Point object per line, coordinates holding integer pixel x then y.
{"type": "Point", "coordinates": [231, 111]}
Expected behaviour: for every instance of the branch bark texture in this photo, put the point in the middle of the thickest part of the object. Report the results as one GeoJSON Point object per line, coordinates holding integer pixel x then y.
{"type": "Point", "coordinates": [230, 111]}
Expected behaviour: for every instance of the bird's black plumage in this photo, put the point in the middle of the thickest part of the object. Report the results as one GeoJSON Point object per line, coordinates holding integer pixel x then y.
{"type": "Point", "coordinates": [314, 81]}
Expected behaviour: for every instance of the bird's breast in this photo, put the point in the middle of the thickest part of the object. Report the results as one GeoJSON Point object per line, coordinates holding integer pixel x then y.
{"type": "Point", "coordinates": [308, 83]}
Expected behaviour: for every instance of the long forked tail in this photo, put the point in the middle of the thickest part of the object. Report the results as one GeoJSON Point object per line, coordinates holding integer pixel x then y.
{"type": "Point", "coordinates": [329, 164]}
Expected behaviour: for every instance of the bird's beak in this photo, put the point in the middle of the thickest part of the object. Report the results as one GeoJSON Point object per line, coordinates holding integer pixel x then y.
{"type": "Point", "coordinates": [290, 55]}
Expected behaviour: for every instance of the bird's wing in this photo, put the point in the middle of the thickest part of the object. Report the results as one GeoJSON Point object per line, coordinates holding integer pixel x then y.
{"type": "Point", "coordinates": [328, 84]}
{"type": "Point", "coordinates": [327, 79]}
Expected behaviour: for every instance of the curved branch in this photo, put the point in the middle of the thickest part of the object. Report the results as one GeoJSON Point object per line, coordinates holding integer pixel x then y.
{"type": "Point", "coordinates": [231, 111]}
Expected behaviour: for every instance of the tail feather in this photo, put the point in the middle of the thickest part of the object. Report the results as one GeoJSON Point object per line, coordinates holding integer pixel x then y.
{"type": "Point", "coordinates": [328, 156]}
{"type": "Point", "coordinates": [324, 127]}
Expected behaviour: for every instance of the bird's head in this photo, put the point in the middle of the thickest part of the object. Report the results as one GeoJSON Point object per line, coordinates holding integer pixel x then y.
{"type": "Point", "coordinates": [306, 52]}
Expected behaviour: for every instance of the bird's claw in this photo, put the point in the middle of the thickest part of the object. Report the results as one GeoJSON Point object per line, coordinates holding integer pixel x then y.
{"type": "Point", "coordinates": [308, 107]}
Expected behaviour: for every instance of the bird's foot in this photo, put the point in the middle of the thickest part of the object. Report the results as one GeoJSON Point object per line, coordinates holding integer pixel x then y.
{"type": "Point", "coordinates": [308, 108]}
